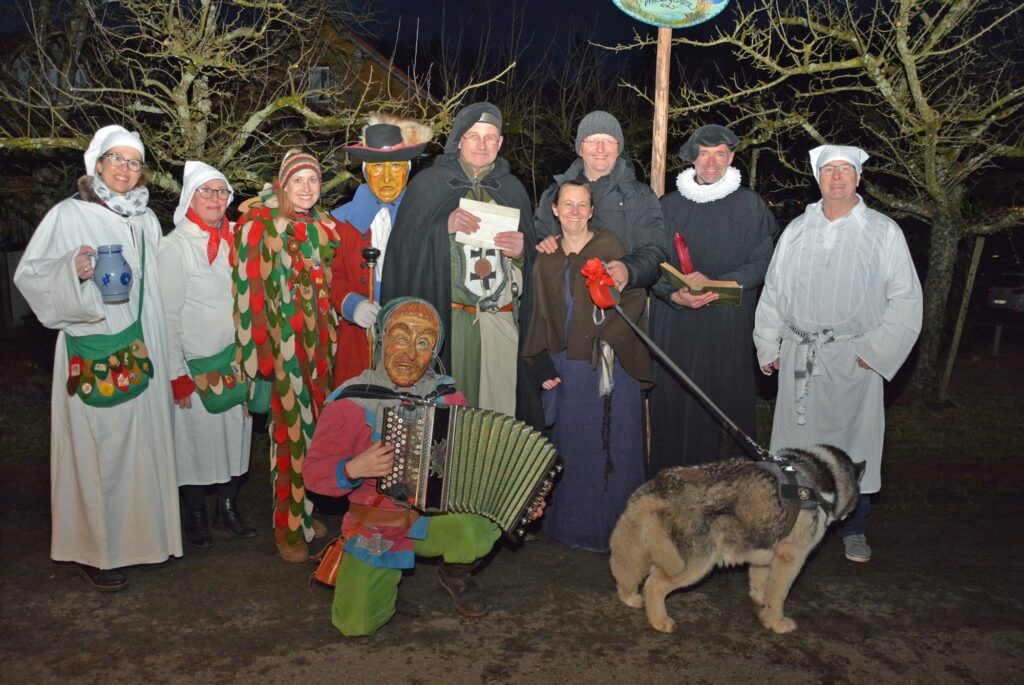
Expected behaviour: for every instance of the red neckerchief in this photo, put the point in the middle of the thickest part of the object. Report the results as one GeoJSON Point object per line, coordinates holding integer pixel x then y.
{"type": "Point", "coordinates": [224, 232]}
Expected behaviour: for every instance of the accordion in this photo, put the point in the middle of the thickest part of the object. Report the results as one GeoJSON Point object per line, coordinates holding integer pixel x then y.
{"type": "Point", "coordinates": [461, 459]}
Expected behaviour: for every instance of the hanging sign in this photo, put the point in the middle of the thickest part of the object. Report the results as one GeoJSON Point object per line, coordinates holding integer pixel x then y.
{"type": "Point", "coordinates": [672, 14]}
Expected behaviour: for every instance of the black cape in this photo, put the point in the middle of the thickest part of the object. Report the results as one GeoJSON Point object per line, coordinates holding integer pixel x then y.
{"type": "Point", "coordinates": [730, 239]}
{"type": "Point", "coordinates": [419, 264]}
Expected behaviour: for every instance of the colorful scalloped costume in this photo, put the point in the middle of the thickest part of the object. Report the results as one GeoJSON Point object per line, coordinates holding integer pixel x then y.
{"type": "Point", "coordinates": [282, 293]}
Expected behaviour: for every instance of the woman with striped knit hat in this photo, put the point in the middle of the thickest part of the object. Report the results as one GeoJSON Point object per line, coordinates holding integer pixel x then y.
{"type": "Point", "coordinates": [286, 329]}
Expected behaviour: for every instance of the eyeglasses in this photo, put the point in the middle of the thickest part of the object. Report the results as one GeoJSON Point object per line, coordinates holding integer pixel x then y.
{"type": "Point", "coordinates": [599, 142]}
{"type": "Point", "coordinates": [840, 169]}
{"type": "Point", "coordinates": [474, 138]}
{"type": "Point", "coordinates": [118, 160]}
{"type": "Point", "coordinates": [207, 193]}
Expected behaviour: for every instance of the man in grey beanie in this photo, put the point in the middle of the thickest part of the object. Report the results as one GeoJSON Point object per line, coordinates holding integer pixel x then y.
{"type": "Point", "coordinates": [624, 205]}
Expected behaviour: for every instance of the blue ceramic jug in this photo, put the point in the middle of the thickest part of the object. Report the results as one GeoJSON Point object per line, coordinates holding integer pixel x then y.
{"type": "Point", "coordinates": [112, 275]}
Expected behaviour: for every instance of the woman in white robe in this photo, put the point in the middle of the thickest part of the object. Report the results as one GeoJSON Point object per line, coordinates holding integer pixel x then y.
{"type": "Point", "coordinates": [210, 449]}
{"type": "Point", "coordinates": [113, 488]}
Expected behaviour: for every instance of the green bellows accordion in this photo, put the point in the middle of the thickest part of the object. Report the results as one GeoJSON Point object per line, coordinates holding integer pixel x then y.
{"type": "Point", "coordinates": [461, 459]}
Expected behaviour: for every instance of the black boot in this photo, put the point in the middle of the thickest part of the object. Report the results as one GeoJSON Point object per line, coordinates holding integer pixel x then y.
{"type": "Point", "coordinates": [457, 580]}
{"type": "Point", "coordinates": [197, 530]}
{"type": "Point", "coordinates": [225, 517]}
{"type": "Point", "coordinates": [104, 580]}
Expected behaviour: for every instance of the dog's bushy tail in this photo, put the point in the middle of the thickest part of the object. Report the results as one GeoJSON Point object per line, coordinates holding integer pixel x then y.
{"type": "Point", "coordinates": [630, 549]}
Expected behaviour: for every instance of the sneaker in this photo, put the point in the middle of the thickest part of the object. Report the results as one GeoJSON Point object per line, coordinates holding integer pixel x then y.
{"type": "Point", "coordinates": [857, 548]}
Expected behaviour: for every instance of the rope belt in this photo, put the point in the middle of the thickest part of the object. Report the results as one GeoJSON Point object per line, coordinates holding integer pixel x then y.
{"type": "Point", "coordinates": [473, 310]}
{"type": "Point", "coordinates": [808, 346]}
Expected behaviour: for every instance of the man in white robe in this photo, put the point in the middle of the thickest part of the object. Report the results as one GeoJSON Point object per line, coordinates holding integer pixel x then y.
{"type": "Point", "coordinates": [113, 488]}
{"type": "Point", "coordinates": [840, 311]}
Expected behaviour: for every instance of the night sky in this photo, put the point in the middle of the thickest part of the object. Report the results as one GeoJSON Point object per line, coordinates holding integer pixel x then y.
{"type": "Point", "coordinates": [545, 22]}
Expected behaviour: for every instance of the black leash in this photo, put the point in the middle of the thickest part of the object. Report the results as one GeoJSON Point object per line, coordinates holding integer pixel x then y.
{"type": "Point", "coordinates": [759, 453]}
{"type": "Point", "coordinates": [795, 492]}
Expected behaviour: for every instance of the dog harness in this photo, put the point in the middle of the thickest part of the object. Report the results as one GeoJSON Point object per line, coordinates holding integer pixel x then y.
{"type": "Point", "coordinates": [795, 491]}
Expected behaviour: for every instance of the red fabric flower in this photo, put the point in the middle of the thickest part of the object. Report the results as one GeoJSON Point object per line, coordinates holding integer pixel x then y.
{"type": "Point", "coordinates": [602, 286]}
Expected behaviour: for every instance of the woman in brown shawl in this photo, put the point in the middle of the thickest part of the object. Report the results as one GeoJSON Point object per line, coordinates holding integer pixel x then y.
{"type": "Point", "coordinates": [592, 375]}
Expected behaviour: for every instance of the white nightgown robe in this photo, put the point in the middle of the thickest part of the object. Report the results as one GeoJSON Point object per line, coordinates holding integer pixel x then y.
{"type": "Point", "coordinates": [836, 291]}
{"type": "Point", "coordinates": [113, 490]}
{"type": "Point", "coordinates": [209, 448]}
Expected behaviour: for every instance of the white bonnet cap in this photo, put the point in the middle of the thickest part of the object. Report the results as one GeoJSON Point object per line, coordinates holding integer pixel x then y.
{"type": "Point", "coordinates": [196, 174]}
{"type": "Point", "coordinates": [110, 137]}
{"type": "Point", "coordinates": [823, 154]}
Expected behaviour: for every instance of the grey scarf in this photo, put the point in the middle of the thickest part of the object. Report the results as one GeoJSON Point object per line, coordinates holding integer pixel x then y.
{"type": "Point", "coordinates": [132, 203]}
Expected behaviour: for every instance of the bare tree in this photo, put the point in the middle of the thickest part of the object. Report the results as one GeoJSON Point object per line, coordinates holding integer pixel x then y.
{"type": "Point", "coordinates": [933, 89]}
{"type": "Point", "coordinates": [225, 81]}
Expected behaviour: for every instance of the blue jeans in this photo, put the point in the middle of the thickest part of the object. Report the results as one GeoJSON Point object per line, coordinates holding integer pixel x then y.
{"type": "Point", "coordinates": [857, 523]}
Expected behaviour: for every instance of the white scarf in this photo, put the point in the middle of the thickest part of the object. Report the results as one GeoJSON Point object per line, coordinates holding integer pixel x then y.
{"type": "Point", "coordinates": [689, 188]}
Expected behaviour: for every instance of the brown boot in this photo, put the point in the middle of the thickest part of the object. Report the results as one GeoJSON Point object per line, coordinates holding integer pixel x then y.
{"type": "Point", "coordinates": [292, 553]}
{"type": "Point", "coordinates": [457, 580]}
{"type": "Point", "coordinates": [319, 530]}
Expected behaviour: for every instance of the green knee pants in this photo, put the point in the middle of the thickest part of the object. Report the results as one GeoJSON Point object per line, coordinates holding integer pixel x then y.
{"type": "Point", "coordinates": [365, 595]}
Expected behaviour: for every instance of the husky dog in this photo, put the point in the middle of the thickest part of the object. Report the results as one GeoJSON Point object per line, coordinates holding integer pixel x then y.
{"type": "Point", "coordinates": [687, 520]}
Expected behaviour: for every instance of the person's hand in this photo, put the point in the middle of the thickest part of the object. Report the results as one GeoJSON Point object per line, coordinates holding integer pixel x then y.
{"type": "Point", "coordinates": [619, 273]}
{"type": "Point", "coordinates": [372, 463]}
{"type": "Point", "coordinates": [684, 298]}
{"type": "Point", "coordinates": [184, 403]}
{"type": "Point", "coordinates": [550, 383]}
{"type": "Point", "coordinates": [769, 368]}
{"type": "Point", "coordinates": [548, 245]}
{"type": "Point", "coordinates": [461, 221]}
{"type": "Point", "coordinates": [510, 242]}
{"type": "Point", "coordinates": [539, 511]}
{"type": "Point", "coordinates": [365, 313]}
{"type": "Point", "coordinates": [863, 364]}
{"type": "Point", "coordinates": [83, 263]}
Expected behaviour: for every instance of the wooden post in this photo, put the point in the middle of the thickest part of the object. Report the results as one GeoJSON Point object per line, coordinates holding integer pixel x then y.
{"type": "Point", "coordinates": [660, 128]}
{"type": "Point", "coordinates": [659, 138]}
{"type": "Point", "coordinates": [979, 245]}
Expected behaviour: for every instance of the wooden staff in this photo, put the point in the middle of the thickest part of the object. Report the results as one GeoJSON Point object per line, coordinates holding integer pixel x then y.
{"type": "Point", "coordinates": [370, 255]}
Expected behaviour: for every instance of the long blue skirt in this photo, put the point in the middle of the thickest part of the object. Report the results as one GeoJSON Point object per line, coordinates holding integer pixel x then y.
{"type": "Point", "coordinates": [586, 502]}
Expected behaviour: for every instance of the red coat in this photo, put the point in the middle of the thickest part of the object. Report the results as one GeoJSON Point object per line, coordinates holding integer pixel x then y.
{"type": "Point", "coordinates": [350, 276]}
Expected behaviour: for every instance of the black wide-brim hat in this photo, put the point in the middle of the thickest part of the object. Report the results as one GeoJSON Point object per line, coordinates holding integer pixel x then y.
{"type": "Point", "coordinates": [709, 135]}
{"type": "Point", "coordinates": [383, 143]}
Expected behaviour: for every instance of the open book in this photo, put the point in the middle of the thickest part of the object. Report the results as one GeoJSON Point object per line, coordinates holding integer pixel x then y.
{"type": "Point", "coordinates": [730, 293]}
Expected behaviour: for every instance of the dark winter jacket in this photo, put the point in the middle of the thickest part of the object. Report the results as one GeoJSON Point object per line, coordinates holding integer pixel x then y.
{"type": "Point", "coordinates": [627, 207]}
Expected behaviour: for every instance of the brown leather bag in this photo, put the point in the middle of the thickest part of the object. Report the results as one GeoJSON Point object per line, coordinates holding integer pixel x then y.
{"type": "Point", "coordinates": [329, 557]}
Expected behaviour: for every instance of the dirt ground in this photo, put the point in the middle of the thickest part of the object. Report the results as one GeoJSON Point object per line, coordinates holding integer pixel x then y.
{"type": "Point", "coordinates": [939, 602]}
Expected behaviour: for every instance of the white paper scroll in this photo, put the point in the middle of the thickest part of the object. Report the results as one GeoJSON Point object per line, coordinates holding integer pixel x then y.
{"type": "Point", "coordinates": [494, 219]}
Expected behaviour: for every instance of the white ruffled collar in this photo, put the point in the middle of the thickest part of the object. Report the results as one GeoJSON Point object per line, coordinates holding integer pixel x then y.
{"type": "Point", "coordinates": [691, 190]}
